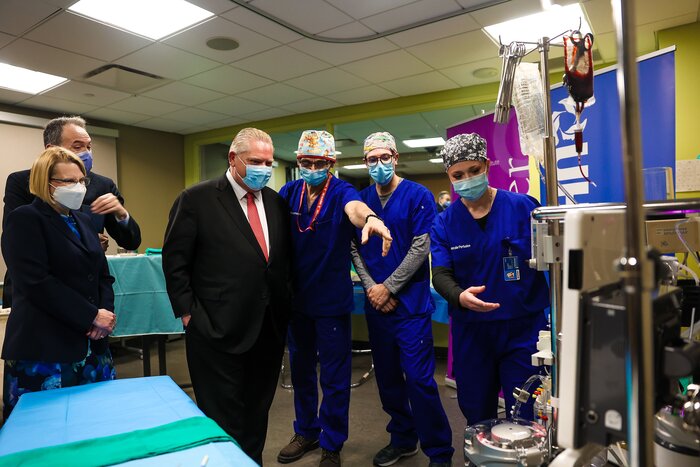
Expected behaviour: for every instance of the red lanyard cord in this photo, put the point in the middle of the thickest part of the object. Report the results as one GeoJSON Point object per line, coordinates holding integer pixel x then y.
{"type": "Point", "coordinates": [318, 206]}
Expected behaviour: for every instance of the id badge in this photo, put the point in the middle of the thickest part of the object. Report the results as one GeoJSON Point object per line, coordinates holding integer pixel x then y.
{"type": "Point", "coordinates": [511, 271]}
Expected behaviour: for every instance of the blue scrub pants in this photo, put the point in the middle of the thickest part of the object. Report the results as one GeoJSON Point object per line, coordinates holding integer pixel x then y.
{"type": "Point", "coordinates": [324, 340]}
{"type": "Point", "coordinates": [491, 355]}
{"type": "Point", "coordinates": [404, 363]}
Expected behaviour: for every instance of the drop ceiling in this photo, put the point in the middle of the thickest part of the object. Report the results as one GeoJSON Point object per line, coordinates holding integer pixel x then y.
{"type": "Point", "coordinates": [275, 71]}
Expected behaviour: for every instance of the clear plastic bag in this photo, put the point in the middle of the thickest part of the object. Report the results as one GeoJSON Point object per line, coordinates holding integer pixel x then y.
{"type": "Point", "coordinates": [529, 106]}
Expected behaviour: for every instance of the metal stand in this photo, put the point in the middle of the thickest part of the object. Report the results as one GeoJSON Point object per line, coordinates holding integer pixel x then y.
{"type": "Point", "coordinates": [363, 379]}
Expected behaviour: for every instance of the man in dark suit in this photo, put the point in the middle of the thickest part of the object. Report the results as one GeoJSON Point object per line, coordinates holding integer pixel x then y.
{"type": "Point", "coordinates": [102, 202]}
{"type": "Point", "coordinates": [226, 257]}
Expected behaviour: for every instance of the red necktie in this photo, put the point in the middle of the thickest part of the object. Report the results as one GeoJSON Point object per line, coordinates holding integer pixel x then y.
{"type": "Point", "coordinates": [255, 224]}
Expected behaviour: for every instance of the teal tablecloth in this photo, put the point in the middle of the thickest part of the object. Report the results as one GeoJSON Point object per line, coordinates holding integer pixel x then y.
{"type": "Point", "coordinates": [140, 299]}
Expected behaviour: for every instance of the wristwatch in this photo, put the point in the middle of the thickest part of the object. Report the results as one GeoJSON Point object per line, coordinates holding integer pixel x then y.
{"type": "Point", "coordinates": [373, 215]}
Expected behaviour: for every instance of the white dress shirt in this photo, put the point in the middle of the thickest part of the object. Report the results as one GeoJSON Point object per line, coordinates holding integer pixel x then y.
{"type": "Point", "coordinates": [241, 195]}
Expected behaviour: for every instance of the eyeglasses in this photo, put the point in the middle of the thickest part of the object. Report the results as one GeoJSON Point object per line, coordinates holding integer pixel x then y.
{"type": "Point", "coordinates": [374, 160]}
{"type": "Point", "coordinates": [313, 164]}
{"type": "Point", "coordinates": [83, 181]}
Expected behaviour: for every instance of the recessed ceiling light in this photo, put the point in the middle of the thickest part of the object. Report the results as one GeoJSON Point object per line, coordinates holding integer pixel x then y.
{"type": "Point", "coordinates": [27, 81]}
{"type": "Point", "coordinates": [424, 142]}
{"type": "Point", "coordinates": [532, 28]}
{"type": "Point", "coordinates": [354, 166]}
{"type": "Point", "coordinates": [222, 43]}
{"type": "Point", "coordinates": [154, 19]}
{"type": "Point", "coordinates": [485, 73]}
{"type": "Point", "coordinates": [437, 160]}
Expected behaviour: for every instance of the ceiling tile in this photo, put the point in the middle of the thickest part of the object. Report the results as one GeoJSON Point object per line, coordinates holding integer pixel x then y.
{"type": "Point", "coordinates": [195, 116]}
{"type": "Point", "coordinates": [5, 39]}
{"type": "Point", "coordinates": [164, 124]}
{"type": "Point", "coordinates": [387, 66]}
{"type": "Point", "coordinates": [106, 43]}
{"type": "Point", "coordinates": [117, 116]}
{"type": "Point", "coordinates": [352, 30]}
{"type": "Point", "coordinates": [215, 6]}
{"type": "Point", "coordinates": [312, 16]}
{"type": "Point", "coordinates": [166, 61]}
{"type": "Point", "coordinates": [281, 63]}
{"type": "Point", "coordinates": [12, 97]}
{"type": "Point", "coordinates": [411, 13]}
{"type": "Point", "coordinates": [365, 94]}
{"type": "Point", "coordinates": [58, 105]}
{"type": "Point", "coordinates": [445, 28]}
{"type": "Point", "coordinates": [276, 94]}
{"type": "Point", "coordinates": [363, 8]}
{"type": "Point", "coordinates": [227, 79]}
{"type": "Point", "coordinates": [456, 50]}
{"type": "Point", "coordinates": [505, 11]}
{"type": "Point", "coordinates": [40, 57]}
{"type": "Point", "coordinates": [146, 105]}
{"type": "Point", "coordinates": [266, 114]}
{"type": "Point", "coordinates": [257, 23]}
{"type": "Point", "coordinates": [86, 94]}
{"type": "Point", "coordinates": [327, 82]}
{"type": "Point", "coordinates": [463, 74]}
{"type": "Point", "coordinates": [311, 105]}
{"type": "Point", "coordinates": [195, 40]}
{"type": "Point", "coordinates": [232, 106]}
{"type": "Point", "coordinates": [17, 16]}
{"type": "Point", "coordinates": [182, 93]}
{"type": "Point", "coordinates": [419, 84]}
{"type": "Point", "coordinates": [338, 54]}
{"type": "Point", "coordinates": [599, 13]}
{"type": "Point", "coordinates": [224, 123]}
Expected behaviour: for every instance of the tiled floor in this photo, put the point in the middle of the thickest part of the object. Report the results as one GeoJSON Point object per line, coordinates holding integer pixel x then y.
{"type": "Point", "coordinates": [367, 419]}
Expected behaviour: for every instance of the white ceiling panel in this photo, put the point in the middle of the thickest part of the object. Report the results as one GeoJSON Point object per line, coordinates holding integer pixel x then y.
{"type": "Point", "coordinates": [327, 82]}
{"type": "Point", "coordinates": [228, 80]}
{"type": "Point", "coordinates": [146, 105]}
{"type": "Point", "coordinates": [257, 23]}
{"type": "Point", "coordinates": [338, 54]}
{"type": "Point", "coordinates": [352, 30]}
{"type": "Point", "coordinates": [387, 66]}
{"type": "Point", "coordinates": [281, 64]}
{"type": "Point", "coordinates": [86, 94]}
{"type": "Point", "coordinates": [419, 84]}
{"type": "Point", "coordinates": [364, 94]}
{"type": "Point", "coordinates": [266, 114]}
{"type": "Point", "coordinates": [105, 43]}
{"type": "Point", "coordinates": [17, 16]}
{"type": "Point", "coordinates": [12, 97]}
{"type": "Point", "coordinates": [276, 95]}
{"type": "Point", "coordinates": [5, 39]}
{"type": "Point", "coordinates": [195, 40]}
{"type": "Point", "coordinates": [169, 62]}
{"type": "Point", "coordinates": [118, 116]}
{"type": "Point", "coordinates": [40, 57]}
{"type": "Point", "coordinates": [449, 27]}
{"type": "Point", "coordinates": [311, 105]}
{"type": "Point", "coordinates": [363, 8]}
{"type": "Point", "coordinates": [312, 16]}
{"type": "Point", "coordinates": [506, 11]}
{"type": "Point", "coordinates": [602, 11]}
{"type": "Point", "coordinates": [183, 93]}
{"type": "Point", "coordinates": [195, 116]}
{"type": "Point", "coordinates": [58, 105]}
{"type": "Point", "coordinates": [164, 124]}
{"type": "Point", "coordinates": [411, 13]}
{"type": "Point", "coordinates": [464, 74]}
{"type": "Point", "coordinates": [232, 106]}
{"type": "Point", "coordinates": [215, 6]}
{"type": "Point", "coordinates": [224, 123]}
{"type": "Point", "coordinates": [456, 50]}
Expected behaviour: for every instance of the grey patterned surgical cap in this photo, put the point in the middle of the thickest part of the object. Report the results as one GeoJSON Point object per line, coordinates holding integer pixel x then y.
{"type": "Point", "coordinates": [464, 147]}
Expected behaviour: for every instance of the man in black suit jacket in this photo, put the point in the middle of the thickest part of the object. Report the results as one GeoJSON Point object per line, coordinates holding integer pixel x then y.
{"type": "Point", "coordinates": [102, 202]}
{"type": "Point", "coordinates": [227, 263]}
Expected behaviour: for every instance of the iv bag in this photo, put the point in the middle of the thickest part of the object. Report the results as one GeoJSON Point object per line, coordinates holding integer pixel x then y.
{"type": "Point", "coordinates": [528, 100]}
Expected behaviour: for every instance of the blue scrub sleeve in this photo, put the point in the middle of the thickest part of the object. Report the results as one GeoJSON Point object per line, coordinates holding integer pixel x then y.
{"type": "Point", "coordinates": [424, 214]}
{"type": "Point", "coordinates": [439, 247]}
{"type": "Point", "coordinates": [348, 193]}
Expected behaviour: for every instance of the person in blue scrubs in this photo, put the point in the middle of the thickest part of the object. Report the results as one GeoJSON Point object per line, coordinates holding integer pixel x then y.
{"type": "Point", "coordinates": [480, 245]}
{"type": "Point", "coordinates": [399, 308]}
{"type": "Point", "coordinates": [325, 212]}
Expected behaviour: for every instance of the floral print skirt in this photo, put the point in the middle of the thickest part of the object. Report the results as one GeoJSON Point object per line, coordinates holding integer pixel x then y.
{"type": "Point", "coordinates": [23, 376]}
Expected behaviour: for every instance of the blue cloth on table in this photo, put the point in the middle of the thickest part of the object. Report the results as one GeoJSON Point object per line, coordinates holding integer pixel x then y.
{"type": "Point", "coordinates": [141, 301]}
{"type": "Point", "coordinates": [59, 416]}
{"type": "Point", "coordinates": [440, 315]}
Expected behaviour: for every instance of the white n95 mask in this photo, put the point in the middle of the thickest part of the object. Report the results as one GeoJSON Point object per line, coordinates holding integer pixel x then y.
{"type": "Point", "coordinates": [70, 196]}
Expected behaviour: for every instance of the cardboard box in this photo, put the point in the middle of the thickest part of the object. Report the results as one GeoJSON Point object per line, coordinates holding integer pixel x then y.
{"type": "Point", "coordinates": [662, 235]}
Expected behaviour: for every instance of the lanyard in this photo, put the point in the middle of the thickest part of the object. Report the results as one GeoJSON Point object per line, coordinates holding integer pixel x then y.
{"type": "Point", "coordinates": [318, 206]}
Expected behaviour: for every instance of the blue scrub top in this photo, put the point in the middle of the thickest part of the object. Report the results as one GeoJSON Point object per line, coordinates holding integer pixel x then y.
{"type": "Point", "coordinates": [410, 212]}
{"type": "Point", "coordinates": [476, 256]}
{"type": "Point", "coordinates": [322, 284]}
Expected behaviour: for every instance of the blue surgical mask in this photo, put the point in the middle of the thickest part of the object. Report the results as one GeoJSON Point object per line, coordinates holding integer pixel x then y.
{"type": "Point", "coordinates": [86, 157]}
{"type": "Point", "coordinates": [313, 177]}
{"type": "Point", "coordinates": [446, 204]}
{"type": "Point", "coordinates": [471, 188]}
{"type": "Point", "coordinates": [381, 173]}
{"type": "Point", "coordinates": [256, 176]}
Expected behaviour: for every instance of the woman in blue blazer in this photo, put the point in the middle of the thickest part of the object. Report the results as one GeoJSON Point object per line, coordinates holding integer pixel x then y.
{"type": "Point", "coordinates": [63, 303]}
